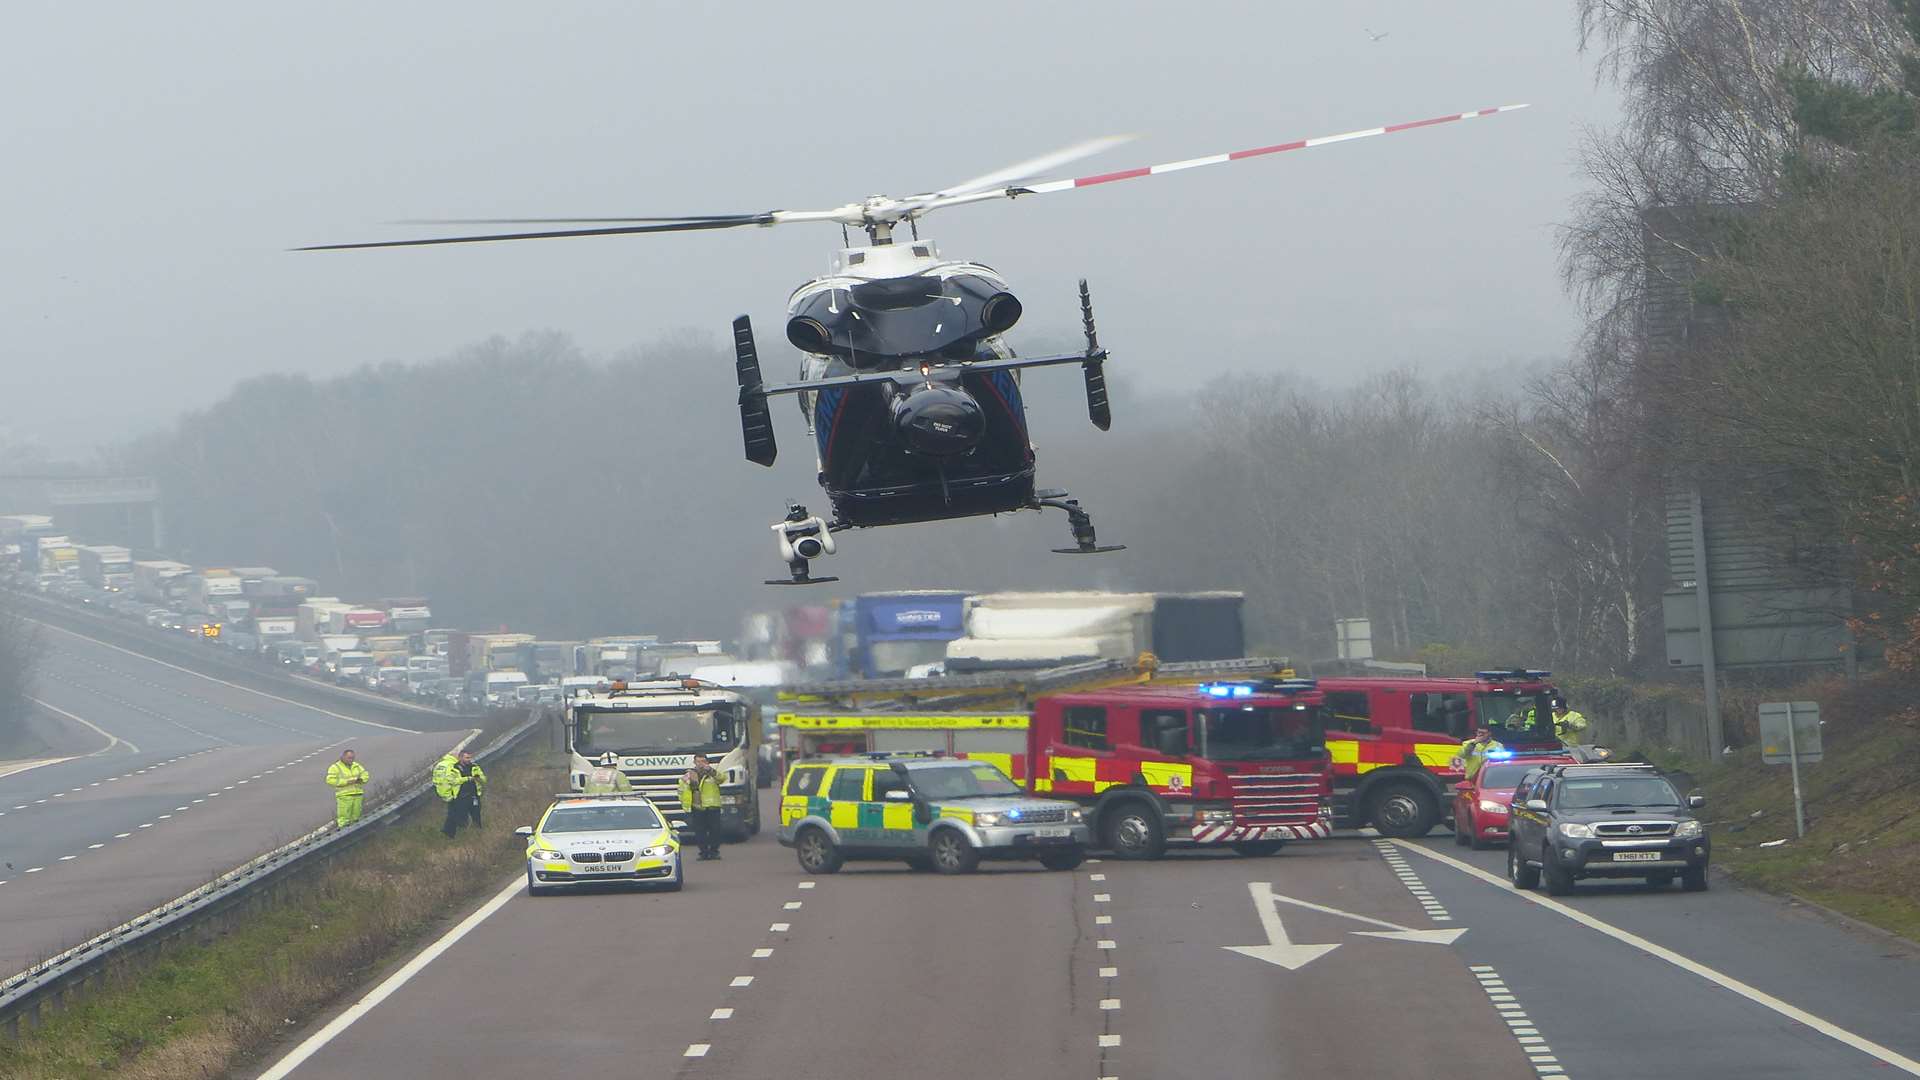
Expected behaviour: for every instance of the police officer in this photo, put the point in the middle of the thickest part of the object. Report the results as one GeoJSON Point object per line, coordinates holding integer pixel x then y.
{"type": "Point", "coordinates": [700, 794]}
{"type": "Point", "coordinates": [1568, 724]}
{"type": "Point", "coordinates": [348, 779]}
{"type": "Point", "coordinates": [605, 778]}
{"type": "Point", "coordinates": [1473, 752]}
{"type": "Point", "coordinates": [459, 781]}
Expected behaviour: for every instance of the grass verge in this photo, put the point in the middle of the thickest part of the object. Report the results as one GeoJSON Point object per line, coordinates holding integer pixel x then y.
{"type": "Point", "coordinates": [1861, 854]}
{"type": "Point", "coordinates": [197, 1010]}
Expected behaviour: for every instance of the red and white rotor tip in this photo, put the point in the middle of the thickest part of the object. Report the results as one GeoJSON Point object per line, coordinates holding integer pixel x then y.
{"type": "Point", "coordinates": [1258, 151]}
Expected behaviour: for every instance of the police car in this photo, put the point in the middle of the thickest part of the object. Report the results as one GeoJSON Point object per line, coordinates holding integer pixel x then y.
{"type": "Point", "coordinates": [932, 811]}
{"type": "Point", "coordinates": [593, 838]}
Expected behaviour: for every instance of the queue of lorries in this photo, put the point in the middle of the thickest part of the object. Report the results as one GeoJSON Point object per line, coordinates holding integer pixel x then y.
{"type": "Point", "coordinates": [388, 645]}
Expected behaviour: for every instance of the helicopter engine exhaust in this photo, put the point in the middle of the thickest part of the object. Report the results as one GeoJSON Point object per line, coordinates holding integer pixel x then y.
{"type": "Point", "coordinates": [938, 420]}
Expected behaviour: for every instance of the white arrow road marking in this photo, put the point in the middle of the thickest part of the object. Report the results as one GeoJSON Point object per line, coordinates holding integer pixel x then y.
{"type": "Point", "coordinates": [1279, 948]}
{"type": "Point", "coordinates": [1393, 931]}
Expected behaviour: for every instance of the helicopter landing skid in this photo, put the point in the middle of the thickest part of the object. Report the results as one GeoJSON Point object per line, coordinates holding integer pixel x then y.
{"type": "Point", "coordinates": [1081, 522]}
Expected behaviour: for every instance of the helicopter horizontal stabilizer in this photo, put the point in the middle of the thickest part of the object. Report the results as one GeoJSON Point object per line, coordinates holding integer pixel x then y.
{"type": "Point", "coordinates": [913, 375]}
{"type": "Point", "coordinates": [756, 422]}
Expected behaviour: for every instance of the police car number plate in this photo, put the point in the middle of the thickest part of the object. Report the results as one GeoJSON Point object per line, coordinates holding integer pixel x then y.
{"type": "Point", "coordinates": [1636, 856]}
{"type": "Point", "coordinates": [1054, 831]}
{"type": "Point", "coordinates": [603, 868]}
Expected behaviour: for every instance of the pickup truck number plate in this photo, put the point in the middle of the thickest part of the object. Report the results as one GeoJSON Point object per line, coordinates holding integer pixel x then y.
{"type": "Point", "coordinates": [1636, 856]}
{"type": "Point", "coordinates": [603, 868]}
{"type": "Point", "coordinates": [1060, 831]}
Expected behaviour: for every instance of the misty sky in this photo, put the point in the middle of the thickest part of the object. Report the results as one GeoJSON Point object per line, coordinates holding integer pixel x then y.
{"type": "Point", "coordinates": [161, 158]}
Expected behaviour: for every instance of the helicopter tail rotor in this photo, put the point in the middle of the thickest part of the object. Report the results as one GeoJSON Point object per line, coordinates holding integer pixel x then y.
{"type": "Point", "coordinates": [756, 422]}
{"type": "Point", "coordinates": [1099, 409]}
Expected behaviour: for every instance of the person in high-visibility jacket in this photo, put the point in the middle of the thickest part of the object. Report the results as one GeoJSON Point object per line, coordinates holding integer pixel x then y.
{"type": "Point", "coordinates": [1568, 724]}
{"type": "Point", "coordinates": [700, 794]}
{"type": "Point", "coordinates": [459, 781]}
{"type": "Point", "coordinates": [348, 779]}
{"type": "Point", "coordinates": [605, 778]}
{"type": "Point", "coordinates": [1473, 752]}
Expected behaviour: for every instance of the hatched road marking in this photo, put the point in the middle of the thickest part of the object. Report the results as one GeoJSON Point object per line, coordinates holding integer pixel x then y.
{"type": "Point", "coordinates": [1754, 994]}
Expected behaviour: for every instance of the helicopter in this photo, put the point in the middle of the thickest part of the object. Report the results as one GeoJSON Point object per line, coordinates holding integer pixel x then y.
{"type": "Point", "coordinates": [907, 384]}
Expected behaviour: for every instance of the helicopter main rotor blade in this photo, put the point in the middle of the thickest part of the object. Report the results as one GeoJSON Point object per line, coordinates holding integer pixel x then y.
{"type": "Point", "coordinates": [698, 224]}
{"type": "Point", "coordinates": [1032, 167]}
{"type": "Point", "coordinates": [1015, 191]}
{"type": "Point", "coordinates": [745, 219]}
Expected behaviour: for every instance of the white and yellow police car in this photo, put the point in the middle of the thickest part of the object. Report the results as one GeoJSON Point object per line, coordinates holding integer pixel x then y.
{"type": "Point", "coordinates": [584, 839]}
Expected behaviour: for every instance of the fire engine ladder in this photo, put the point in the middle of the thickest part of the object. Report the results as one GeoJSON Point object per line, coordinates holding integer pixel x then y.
{"type": "Point", "coordinates": [988, 689]}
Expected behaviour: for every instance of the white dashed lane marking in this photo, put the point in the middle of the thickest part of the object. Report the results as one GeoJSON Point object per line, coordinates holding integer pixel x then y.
{"type": "Point", "coordinates": [1397, 862]}
{"type": "Point", "coordinates": [1532, 1043]}
{"type": "Point", "coordinates": [741, 981]}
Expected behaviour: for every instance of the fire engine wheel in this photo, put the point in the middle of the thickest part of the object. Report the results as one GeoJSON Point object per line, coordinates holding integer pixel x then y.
{"type": "Point", "coordinates": [951, 853]}
{"type": "Point", "coordinates": [1255, 849]}
{"type": "Point", "coordinates": [1403, 810]}
{"type": "Point", "coordinates": [1132, 831]}
{"type": "Point", "coordinates": [816, 852]}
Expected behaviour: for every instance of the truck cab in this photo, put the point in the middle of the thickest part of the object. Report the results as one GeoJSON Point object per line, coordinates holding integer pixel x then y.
{"type": "Point", "coordinates": [655, 727]}
{"type": "Point", "coordinates": [1394, 740]}
{"type": "Point", "coordinates": [1239, 764]}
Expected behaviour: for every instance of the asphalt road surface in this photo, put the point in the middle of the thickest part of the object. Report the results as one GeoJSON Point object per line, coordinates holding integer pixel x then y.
{"type": "Point", "coordinates": [166, 779]}
{"type": "Point", "coordinates": [1346, 958]}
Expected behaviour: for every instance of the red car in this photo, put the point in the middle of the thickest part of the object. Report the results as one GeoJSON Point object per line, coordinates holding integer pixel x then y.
{"type": "Point", "coordinates": [1481, 805]}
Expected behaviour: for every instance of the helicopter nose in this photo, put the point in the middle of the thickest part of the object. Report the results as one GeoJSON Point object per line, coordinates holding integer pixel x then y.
{"type": "Point", "coordinates": [939, 421]}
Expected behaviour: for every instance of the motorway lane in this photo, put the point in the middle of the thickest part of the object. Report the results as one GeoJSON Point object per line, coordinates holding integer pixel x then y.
{"type": "Point", "coordinates": [1655, 1015]}
{"type": "Point", "coordinates": [1122, 970]}
{"type": "Point", "coordinates": [74, 859]}
{"type": "Point", "coordinates": [1370, 1007]}
{"type": "Point", "coordinates": [878, 972]}
{"type": "Point", "coordinates": [97, 854]}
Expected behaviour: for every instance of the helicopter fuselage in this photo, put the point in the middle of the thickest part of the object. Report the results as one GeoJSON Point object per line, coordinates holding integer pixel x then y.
{"type": "Point", "coordinates": [943, 442]}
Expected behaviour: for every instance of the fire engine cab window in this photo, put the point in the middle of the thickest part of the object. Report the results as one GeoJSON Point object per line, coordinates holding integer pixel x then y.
{"type": "Point", "coordinates": [1164, 731]}
{"type": "Point", "coordinates": [1350, 710]}
{"type": "Point", "coordinates": [849, 785]}
{"type": "Point", "coordinates": [1442, 714]}
{"type": "Point", "coordinates": [1085, 726]}
{"type": "Point", "coordinates": [804, 781]}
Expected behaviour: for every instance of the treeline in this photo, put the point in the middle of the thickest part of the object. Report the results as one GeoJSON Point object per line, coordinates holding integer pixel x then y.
{"type": "Point", "coordinates": [521, 482]}
{"type": "Point", "coordinates": [1750, 254]}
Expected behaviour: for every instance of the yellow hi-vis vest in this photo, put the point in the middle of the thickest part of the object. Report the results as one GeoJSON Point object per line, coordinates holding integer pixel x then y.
{"type": "Point", "coordinates": [347, 779]}
{"type": "Point", "coordinates": [703, 796]}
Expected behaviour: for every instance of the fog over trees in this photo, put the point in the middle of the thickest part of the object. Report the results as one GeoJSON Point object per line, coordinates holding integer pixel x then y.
{"type": "Point", "coordinates": [522, 482]}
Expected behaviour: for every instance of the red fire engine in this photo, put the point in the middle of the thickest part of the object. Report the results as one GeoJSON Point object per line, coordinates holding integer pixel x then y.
{"type": "Point", "coordinates": [1393, 740]}
{"type": "Point", "coordinates": [1240, 764]}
